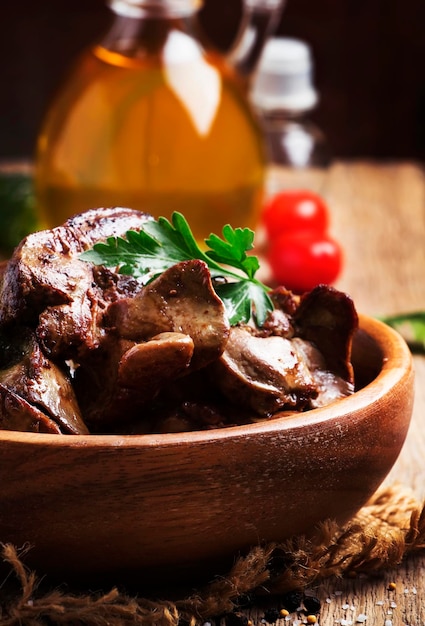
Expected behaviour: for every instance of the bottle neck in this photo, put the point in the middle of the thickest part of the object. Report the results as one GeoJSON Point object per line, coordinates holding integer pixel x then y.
{"type": "Point", "coordinates": [141, 28]}
{"type": "Point", "coordinates": [155, 8]}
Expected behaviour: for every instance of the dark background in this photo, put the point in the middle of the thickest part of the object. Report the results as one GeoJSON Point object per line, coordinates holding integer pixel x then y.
{"type": "Point", "coordinates": [369, 66]}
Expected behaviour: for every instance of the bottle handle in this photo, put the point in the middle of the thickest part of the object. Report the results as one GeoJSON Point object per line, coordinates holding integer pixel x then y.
{"type": "Point", "coordinates": [259, 21]}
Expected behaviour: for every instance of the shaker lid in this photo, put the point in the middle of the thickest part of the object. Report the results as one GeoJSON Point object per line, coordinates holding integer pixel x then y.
{"type": "Point", "coordinates": [284, 77]}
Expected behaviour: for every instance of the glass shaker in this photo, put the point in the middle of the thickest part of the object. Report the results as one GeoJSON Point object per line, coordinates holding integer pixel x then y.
{"type": "Point", "coordinates": [284, 95]}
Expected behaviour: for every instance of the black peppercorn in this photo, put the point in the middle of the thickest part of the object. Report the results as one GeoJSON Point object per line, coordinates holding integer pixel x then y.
{"type": "Point", "coordinates": [312, 604]}
{"type": "Point", "coordinates": [292, 600]}
{"type": "Point", "coordinates": [271, 615]}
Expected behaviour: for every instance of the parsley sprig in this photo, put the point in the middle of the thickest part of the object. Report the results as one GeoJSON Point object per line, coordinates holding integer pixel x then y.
{"type": "Point", "coordinates": [161, 244]}
{"type": "Point", "coordinates": [411, 326]}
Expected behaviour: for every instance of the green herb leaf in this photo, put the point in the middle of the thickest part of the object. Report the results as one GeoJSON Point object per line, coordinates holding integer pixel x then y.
{"type": "Point", "coordinates": [161, 244]}
{"type": "Point", "coordinates": [411, 326]}
{"type": "Point", "coordinates": [244, 300]}
{"type": "Point", "coordinates": [136, 255]}
{"type": "Point", "coordinates": [232, 249]}
{"type": "Point", "coordinates": [18, 216]}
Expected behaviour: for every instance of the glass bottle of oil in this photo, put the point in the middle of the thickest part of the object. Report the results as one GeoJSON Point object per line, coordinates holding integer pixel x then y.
{"type": "Point", "coordinates": [149, 120]}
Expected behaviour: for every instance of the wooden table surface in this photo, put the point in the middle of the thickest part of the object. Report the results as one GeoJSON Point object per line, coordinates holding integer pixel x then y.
{"type": "Point", "coordinates": [378, 215]}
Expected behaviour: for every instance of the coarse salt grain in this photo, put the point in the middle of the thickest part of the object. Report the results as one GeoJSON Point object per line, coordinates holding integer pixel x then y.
{"type": "Point", "coordinates": [393, 605]}
{"type": "Point", "coordinates": [345, 606]}
{"type": "Point", "coordinates": [380, 603]}
{"type": "Point", "coordinates": [361, 618]}
{"type": "Point", "coordinates": [328, 600]}
{"type": "Point", "coordinates": [388, 622]}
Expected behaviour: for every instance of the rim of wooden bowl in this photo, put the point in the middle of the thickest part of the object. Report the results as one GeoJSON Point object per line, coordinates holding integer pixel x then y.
{"type": "Point", "coordinates": [396, 364]}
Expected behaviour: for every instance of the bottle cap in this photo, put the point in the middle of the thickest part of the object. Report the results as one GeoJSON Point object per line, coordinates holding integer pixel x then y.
{"type": "Point", "coordinates": [284, 77]}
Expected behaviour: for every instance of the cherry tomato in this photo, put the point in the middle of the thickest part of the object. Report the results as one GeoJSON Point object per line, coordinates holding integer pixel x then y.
{"type": "Point", "coordinates": [300, 261]}
{"type": "Point", "coordinates": [295, 210]}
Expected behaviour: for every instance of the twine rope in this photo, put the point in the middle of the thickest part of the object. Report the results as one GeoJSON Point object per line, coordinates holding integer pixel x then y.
{"type": "Point", "coordinates": [390, 527]}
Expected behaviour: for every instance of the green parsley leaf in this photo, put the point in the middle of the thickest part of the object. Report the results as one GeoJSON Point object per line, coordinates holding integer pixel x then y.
{"type": "Point", "coordinates": [18, 215]}
{"type": "Point", "coordinates": [244, 300]}
{"type": "Point", "coordinates": [232, 249]}
{"type": "Point", "coordinates": [161, 244]}
{"type": "Point", "coordinates": [411, 326]}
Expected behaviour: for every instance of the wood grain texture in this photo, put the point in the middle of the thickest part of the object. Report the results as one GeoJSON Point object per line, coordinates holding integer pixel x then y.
{"type": "Point", "coordinates": [378, 214]}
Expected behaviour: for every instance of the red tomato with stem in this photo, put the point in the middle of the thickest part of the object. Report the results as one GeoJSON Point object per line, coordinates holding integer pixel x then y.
{"type": "Point", "coordinates": [301, 260]}
{"type": "Point", "coordinates": [294, 211]}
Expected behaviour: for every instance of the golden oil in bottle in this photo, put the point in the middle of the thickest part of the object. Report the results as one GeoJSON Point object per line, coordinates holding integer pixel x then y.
{"type": "Point", "coordinates": [158, 127]}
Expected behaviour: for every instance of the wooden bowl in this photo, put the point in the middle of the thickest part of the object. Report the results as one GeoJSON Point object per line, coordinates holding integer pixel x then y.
{"type": "Point", "coordinates": [166, 505]}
